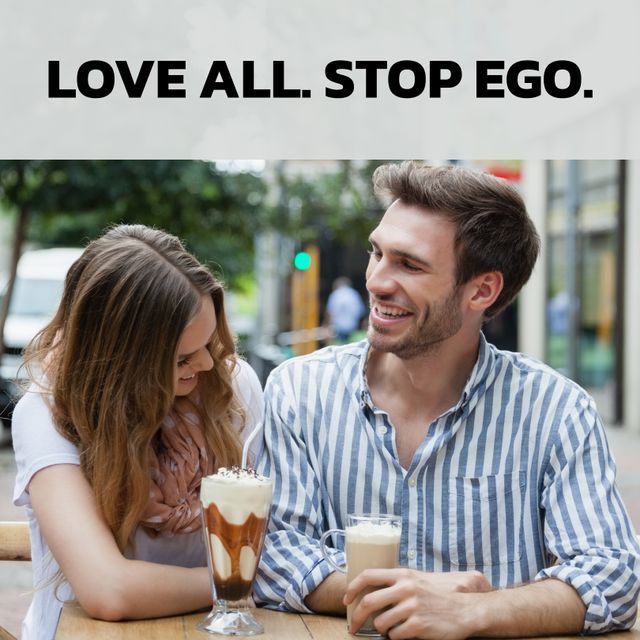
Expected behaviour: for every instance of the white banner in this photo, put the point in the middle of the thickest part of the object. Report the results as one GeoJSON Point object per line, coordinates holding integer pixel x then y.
{"type": "Point", "coordinates": [332, 79]}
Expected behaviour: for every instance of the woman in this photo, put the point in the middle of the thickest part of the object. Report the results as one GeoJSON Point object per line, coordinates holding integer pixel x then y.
{"type": "Point", "coordinates": [141, 394]}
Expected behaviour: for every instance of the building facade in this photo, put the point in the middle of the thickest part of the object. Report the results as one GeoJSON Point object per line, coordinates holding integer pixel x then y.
{"type": "Point", "coordinates": [579, 311]}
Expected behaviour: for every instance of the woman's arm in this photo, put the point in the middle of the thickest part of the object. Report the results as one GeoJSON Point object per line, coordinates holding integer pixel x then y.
{"type": "Point", "coordinates": [107, 585]}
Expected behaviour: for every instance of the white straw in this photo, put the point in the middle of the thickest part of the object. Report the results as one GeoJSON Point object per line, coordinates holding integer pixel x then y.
{"type": "Point", "coordinates": [247, 443]}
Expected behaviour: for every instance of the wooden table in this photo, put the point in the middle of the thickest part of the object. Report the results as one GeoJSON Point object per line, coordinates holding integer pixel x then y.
{"type": "Point", "coordinates": [76, 625]}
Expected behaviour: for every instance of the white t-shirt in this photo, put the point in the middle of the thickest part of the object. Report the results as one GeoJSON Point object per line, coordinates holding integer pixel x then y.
{"type": "Point", "coordinates": [37, 445]}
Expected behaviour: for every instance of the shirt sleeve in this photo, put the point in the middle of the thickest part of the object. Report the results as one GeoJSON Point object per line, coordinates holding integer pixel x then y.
{"type": "Point", "coordinates": [292, 564]}
{"type": "Point", "coordinates": [36, 442]}
{"type": "Point", "coordinates": [587, 527]}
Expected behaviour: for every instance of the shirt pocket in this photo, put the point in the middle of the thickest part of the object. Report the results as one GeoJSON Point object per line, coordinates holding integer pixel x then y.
{"type": "Point", "coordinates": [486, 520]}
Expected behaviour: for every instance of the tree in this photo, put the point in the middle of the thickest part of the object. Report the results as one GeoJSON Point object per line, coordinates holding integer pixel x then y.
{"type": "Point", "coordinates": [338, 203]}
{"type": "Point", "coordinates": [69, 202]}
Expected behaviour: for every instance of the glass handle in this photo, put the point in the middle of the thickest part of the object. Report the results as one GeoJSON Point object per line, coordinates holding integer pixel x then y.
{"type": "Point", "coordinates": [323, 548]}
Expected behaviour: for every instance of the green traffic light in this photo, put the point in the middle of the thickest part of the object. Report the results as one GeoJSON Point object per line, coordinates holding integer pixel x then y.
{"type": "Point", "coordinates": [302, 261]}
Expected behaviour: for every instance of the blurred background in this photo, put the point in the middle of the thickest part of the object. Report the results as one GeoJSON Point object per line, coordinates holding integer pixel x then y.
{"type": "Point", "coordinates": [280, 233]}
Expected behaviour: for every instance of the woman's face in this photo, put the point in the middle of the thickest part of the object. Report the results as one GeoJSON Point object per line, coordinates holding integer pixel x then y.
{"type": "Point", "coordinates": [193, 352]}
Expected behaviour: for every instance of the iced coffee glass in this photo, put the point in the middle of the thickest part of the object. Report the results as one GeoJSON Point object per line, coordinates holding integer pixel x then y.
{"type": "Point", "coordinates": [371, 542]}
{"type": "Point", "coordinates": [235, 512]}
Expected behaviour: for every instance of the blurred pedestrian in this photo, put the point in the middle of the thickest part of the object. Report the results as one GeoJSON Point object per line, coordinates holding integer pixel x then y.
{"type": "Point", "coordinates": [344, 309]}
{"type": "Point", "coordinates": [142, 395]}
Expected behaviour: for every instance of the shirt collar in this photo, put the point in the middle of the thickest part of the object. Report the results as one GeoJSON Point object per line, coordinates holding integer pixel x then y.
{"type": "Point", "coordinates": [481, 376]}
{"type": "Point", "coordinates": [364, 395]}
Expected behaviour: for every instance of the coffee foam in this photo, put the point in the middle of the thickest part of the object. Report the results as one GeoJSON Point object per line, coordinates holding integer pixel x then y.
{"type": "Point", "coordinates": [373, 533]}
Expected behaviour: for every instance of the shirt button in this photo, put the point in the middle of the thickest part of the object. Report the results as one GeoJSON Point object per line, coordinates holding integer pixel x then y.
{"type": "Point", "coordinates": [411, 554]}
{"type": "Point", "coordinates": [412, 482]}
{"type": "Point", "coordinates": [382, 430]}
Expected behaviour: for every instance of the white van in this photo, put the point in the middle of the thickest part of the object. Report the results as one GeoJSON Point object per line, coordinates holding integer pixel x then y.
{"type": "Point", "coordinates": [36, 295]}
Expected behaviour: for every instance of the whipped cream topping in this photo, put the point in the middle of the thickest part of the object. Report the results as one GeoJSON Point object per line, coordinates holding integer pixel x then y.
{"type": "Point", "coordinates": [237, 493]}
{"type": "Point", "coordinates": [235, 474]}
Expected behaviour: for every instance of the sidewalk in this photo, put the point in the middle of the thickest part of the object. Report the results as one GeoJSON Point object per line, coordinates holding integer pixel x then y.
{"type": "Point", "coordinates": [15, 577]}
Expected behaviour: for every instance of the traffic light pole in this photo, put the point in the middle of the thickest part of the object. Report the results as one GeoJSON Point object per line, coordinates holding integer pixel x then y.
{"type": "Point", "coordinates": [305, 291]}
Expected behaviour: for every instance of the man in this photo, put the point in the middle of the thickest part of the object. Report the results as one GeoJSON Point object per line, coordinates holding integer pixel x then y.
{"type": "Point", "coordinates": [344, 309]}
{"type": "Point", "coordinates": [498, 465]}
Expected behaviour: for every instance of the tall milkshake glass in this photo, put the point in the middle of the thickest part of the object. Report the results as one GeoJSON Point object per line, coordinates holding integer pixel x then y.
{"type": "Point", "coordinates": [235, 511]}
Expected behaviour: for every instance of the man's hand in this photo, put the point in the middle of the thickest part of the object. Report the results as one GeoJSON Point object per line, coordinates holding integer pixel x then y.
{"type": "Point", "coordinates": [419, 604]}
{"type": "Point", "coordinates": [453, 606]}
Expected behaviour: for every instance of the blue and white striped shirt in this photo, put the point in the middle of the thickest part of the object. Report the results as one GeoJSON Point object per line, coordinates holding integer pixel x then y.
{"type": "Point", "coordinates": [516, 481]}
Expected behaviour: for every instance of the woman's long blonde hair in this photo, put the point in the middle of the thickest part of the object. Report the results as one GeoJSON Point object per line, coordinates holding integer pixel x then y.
{"type": "Point", "coordinates": [109, 356]}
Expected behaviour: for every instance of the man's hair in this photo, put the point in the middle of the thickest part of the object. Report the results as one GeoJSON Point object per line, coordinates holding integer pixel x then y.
{"type": "Point", "coordinates": [493, 229]}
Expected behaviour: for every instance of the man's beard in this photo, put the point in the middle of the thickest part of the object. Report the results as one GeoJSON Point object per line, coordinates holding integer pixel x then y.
{"type": "Point", "coordinates": [440, 321]}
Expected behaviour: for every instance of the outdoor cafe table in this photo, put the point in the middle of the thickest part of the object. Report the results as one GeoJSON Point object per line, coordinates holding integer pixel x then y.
{"type": "Point", "coordinates": [76, 625]}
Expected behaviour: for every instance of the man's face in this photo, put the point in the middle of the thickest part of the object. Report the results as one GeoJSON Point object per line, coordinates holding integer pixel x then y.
{"type": "Point", "coordinates": [415, 304]}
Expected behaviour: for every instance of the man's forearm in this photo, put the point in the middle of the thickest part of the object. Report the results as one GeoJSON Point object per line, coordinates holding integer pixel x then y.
{"type": "Point", "coordinates": [327, 597]}
{"type": "Point", "coordinates": [548, 607]}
